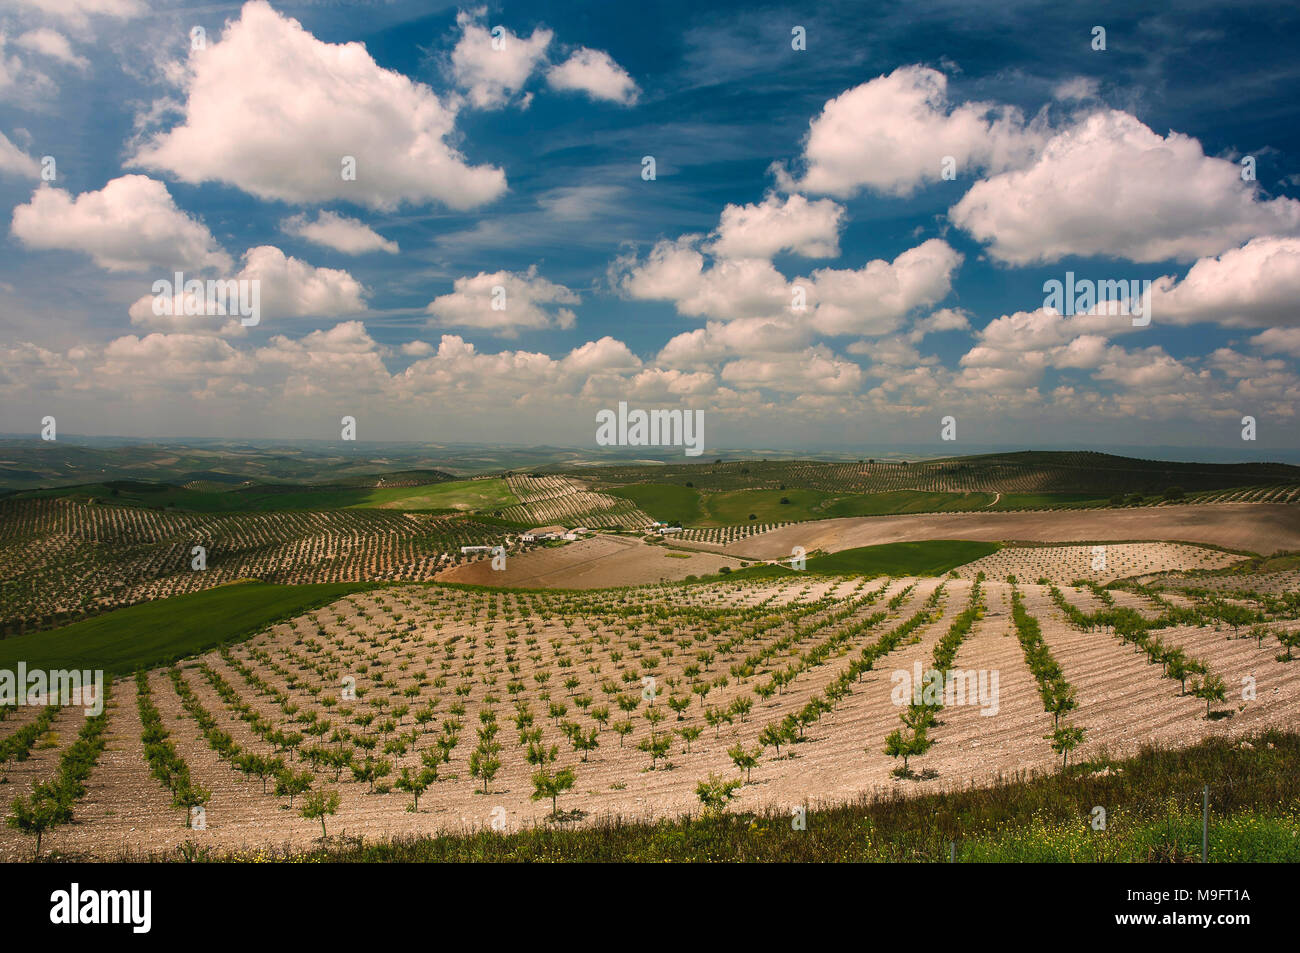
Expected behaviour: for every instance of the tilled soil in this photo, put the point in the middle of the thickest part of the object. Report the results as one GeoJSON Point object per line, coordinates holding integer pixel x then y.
{"type": "Point", "coordinates": [1258, 527]}
{"type": "Point", "coordinates": [451, 646]}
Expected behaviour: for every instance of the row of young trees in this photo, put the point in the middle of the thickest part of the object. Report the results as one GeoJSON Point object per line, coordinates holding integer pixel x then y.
{"type": "Point", "coordinates": [913, 738]}
{"type": "Point", "coordinates": [715, 792]}
{"type": "Point", "coordinates": [1135, 629]}
{"type": "Point", "coordinates": [1057, 694]}
{"type": "Point", "coordinates": [51, 803]}
{"type": "Point", "coordinates": [17, 745]}
{"type": "Point", "coordinates": [165, 764]}
{"type": "Point", "coordinates": [288, 783]}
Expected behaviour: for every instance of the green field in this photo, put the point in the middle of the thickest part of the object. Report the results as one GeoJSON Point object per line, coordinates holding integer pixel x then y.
{"type": "Point", "coordinates": [454, 495]}
{"type": "Point", "coordinates": [931, 557]}
{"type": "Point", "coordinates": [734, 507]}
{"type": "Point", "coordinates": [666, 502]}
{"type": "Point", "coordinates": [460, 495]}
{"type": "Point", "coordinates": [154, 633]}
{"type": "Point", "coordinates": [692, 508]}
{"type": "Point", "coordinates": [1047, 501]}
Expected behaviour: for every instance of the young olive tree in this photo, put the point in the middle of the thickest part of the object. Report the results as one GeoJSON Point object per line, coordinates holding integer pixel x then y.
{"type": "Point", "coordinates": [318, 805]}
{"type": "Point", "coordinates": [546, 784]}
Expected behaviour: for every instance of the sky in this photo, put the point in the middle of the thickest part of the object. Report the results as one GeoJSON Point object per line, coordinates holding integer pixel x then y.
{"type": "Point", "coordinates": [826, 225]}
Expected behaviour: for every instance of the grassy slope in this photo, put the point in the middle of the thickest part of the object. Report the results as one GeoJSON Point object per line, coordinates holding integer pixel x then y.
{"type": "Point", "coordinates": [932, 557]}
{"type": "Point", "coordinates": [1047, 501]}
{"type": "Point", "coordinates": [676, 503]}
{"type": "Point", "coordinates": [458, 495]}
{"type": "Point", "coordinates": [1155, 816]}
{"type": "Point", "coordinates": [666, 502]}
{"type": "Point", "coordinates": [153, 633]}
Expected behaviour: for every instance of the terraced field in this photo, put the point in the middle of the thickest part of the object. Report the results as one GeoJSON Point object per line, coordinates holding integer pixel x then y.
{"type": "Point", "coordinates": [472, 701]}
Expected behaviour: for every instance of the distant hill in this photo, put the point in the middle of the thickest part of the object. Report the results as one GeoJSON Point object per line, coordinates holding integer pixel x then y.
{"type": "Point", "coordinates": [1025, 472]}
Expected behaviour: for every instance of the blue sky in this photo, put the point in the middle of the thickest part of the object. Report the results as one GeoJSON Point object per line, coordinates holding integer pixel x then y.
{"type": "Point", "coordinates": [777, 170]}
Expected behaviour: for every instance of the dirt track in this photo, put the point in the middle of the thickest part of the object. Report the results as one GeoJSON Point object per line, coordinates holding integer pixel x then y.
{"type": "Point", "coordinates": [1258, 527]}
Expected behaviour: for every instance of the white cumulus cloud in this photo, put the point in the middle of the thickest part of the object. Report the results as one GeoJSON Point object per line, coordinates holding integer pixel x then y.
{"type": "Point", "coordinates": [492, 69]}
{"type": "Point", "coordinates": [890, 135]}
{"type": "Point", "coordinates": [595, 73]}
{"type": "Point", "coordinates": [343, 234]}
{"type": "Point", "coordinates": [811, 229]}
{"type": "Point", "coordinates": [504, 302]}
{"type": "Point", "coordinates": [274, 111]}
{"type": "Point", "coordinates": [131, 224]}
{"type": "Point", "coordinates": [1255, 286]}
{"type": "Point", "coordinates": [1110, 186]}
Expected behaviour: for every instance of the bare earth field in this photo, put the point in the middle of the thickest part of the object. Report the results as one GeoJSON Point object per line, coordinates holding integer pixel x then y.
{"type": "Point", "coordinates": [536, 661]}
{"type": "Point", "coordinates": [1258, 527]}
{"type": "Point", "coordinates": [592, 563]}
{"type": "Point", "coordinates": [626, 561]}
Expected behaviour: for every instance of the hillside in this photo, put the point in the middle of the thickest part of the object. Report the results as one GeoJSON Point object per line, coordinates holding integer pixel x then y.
{"type": "Point", "coordinates": [61, 559]}
{"type": "Point", "coordinates": [1031, 472]}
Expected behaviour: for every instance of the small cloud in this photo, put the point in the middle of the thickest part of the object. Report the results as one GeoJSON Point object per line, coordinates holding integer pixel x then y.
{"type": "Point", "coordinates": [504, 302]}
{"type": "Point", "coordinates": [1078, 89]}
{"type": "Point", "coordinates": [595, 73]}
{"type": "Point", "coordinates": [343, 234]}
{"type": "Point", "coordinates": [13, 161]}
{"type": "Point", "coordinates": [53, 44]}
{"type": "Point", "coordinates": [492, 66]}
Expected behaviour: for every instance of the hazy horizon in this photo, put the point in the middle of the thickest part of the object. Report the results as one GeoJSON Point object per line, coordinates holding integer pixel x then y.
{"type": "Point", "coordinates": [598, 456]}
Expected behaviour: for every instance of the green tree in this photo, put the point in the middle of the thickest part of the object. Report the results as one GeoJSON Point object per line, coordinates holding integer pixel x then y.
{"type": "Point", "coordinates": [656, 747]}
{"type": "Point", "coordinates": [743, 759]}
{"type": "Point", "coordinates": [585, 741]}
{"type": "Point", "coordinates": [484, 764]}
{"type": "Point", "coordinates": [318, 805]}
{"type": "Point", "coordinates": [37, 814]}
{"type": "Point", "coordinates": [1209, 689]}
{"type": "Point", "coordinates": [770, 736]}
{"type": "Point", "coordinates": [546, 784]}
{"type": "Point", "coordinates": [416, 783]}
{"type": "Point", "coordinates": [1065, 738]}
{"type": "Point", "coordinates": [288, 784]}
{"type": "Point", "coordinates": [189, 796]}
{"type": "Point", "coordinates": [905, 746]}
{"type": "Point", "coordinates": [690, 733]}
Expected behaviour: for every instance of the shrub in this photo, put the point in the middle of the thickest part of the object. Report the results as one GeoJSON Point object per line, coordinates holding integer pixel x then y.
{"type": "Point", "coordinates": [716, 792]}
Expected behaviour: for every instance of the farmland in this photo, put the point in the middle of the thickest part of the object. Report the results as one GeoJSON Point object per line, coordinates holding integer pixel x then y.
{"type": "Point", "coordinates": [973, 825]}
{"type": "Point", "coordinates": [61, 559]}
{"type": "Point", "coordinates": [472, 697]}
{"type": "Point", "coordinates": [150, 633]}
{"type": "Point", "coordinates": [339, 680]}
{"type": "Point", "coordinates": [1089, 476]}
